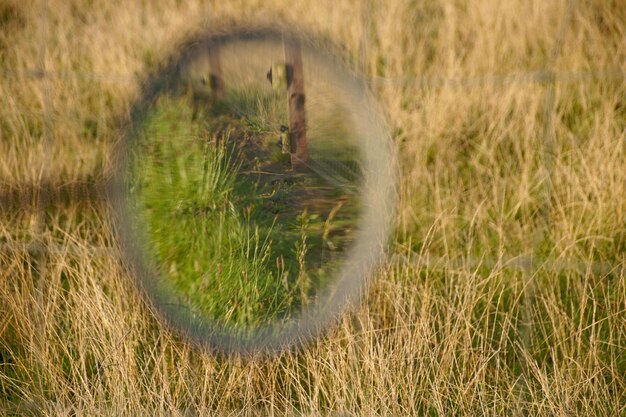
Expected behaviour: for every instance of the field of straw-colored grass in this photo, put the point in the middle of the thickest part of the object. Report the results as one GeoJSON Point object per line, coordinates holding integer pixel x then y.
{"type": "Point", "coordinates": [504, 292]}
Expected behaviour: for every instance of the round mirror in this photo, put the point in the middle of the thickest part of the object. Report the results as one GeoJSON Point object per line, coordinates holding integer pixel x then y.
{"type": "Point", "coordinates": [253, 189]}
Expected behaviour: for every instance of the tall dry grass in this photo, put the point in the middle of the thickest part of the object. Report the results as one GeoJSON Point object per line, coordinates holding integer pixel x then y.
{"type": "Point", "coordinates": [510, 119]}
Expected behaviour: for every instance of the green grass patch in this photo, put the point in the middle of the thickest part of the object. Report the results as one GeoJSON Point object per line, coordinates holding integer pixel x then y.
{"type": "Point", "coordinates": [238, 237]}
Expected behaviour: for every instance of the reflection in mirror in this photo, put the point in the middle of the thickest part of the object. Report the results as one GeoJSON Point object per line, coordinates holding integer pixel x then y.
{"type": "Point", "coordinates": [245, 180]}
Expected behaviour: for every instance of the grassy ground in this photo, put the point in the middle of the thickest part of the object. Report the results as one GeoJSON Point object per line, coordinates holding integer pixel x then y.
{"type": "Point", "coordinates": [504, 292]}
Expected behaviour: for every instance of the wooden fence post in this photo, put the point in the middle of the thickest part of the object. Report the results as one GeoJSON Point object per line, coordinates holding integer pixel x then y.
{"type": "Point", "coordinates": [216, 79]}
{"type": "Point", "coordinates": [297, 121]}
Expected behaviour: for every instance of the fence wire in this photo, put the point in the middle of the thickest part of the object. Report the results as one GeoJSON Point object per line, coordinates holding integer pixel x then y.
{"type": "Point", "coordinates": [544, 76]}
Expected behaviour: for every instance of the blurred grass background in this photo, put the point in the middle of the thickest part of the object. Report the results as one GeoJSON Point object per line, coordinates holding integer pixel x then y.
{"type": "Point", "coordinates": [509, 119]}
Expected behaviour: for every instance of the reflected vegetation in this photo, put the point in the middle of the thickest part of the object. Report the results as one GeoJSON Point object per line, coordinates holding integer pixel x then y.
{"type": "Point", "coordinates": [237, 236]}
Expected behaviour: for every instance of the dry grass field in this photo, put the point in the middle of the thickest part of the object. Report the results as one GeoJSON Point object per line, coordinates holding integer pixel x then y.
{"type": "Point", "coordinates": [504, 292]}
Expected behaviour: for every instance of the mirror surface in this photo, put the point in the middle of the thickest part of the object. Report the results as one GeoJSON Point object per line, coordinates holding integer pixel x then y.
{"type": "Point", "coordinates": [256, 185]}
